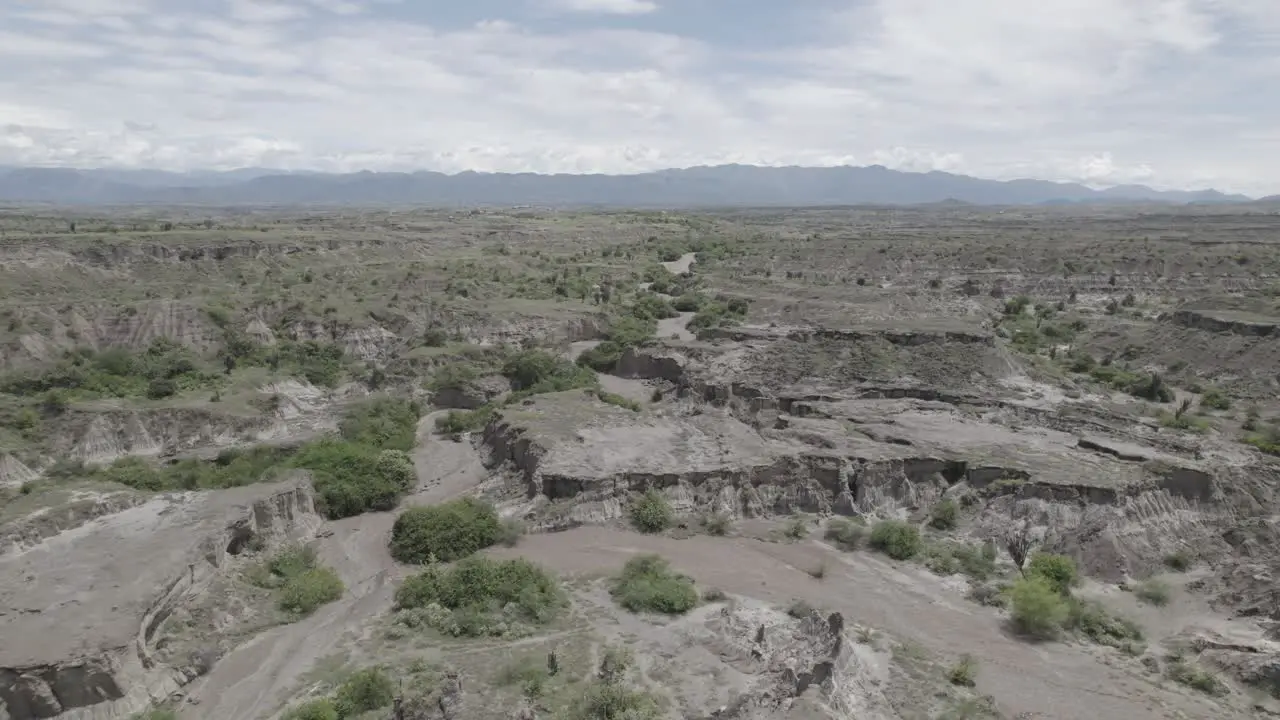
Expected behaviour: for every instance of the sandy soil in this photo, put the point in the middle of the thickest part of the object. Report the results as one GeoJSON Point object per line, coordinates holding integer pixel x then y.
{"type": "Point", "coordinates": [1059, 681]}
{"type": "Point", "coordinates": [681, 266]}
{"type": "Point", "coordinates": [256, 679]}
{"type": "Point", "coordinates": [676, 327]}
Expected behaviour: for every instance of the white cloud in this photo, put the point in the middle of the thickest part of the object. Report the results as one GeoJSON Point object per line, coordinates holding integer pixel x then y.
{"type": "Point", "coordinates": [1165, 92]}
{"type": "Point", "coordinates": [615, 7]}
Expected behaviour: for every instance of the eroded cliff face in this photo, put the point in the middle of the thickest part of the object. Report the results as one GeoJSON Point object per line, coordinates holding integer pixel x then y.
{"type": "Point", "coordinates": [98, 668]}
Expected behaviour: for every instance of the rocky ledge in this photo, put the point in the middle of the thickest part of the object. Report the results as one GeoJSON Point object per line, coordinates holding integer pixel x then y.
{"type": "Point", "coordinates": [78, 621]}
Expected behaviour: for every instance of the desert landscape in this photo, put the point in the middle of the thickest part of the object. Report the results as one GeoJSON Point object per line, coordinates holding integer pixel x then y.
{"type": "Point", "coordinates": [941, 461]}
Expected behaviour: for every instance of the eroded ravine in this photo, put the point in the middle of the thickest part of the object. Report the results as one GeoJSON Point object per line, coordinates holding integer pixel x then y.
{"type": "Point", "coordinates": [258, 678]}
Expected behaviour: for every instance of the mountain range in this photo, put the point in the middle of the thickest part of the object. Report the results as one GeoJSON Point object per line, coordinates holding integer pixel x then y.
{"type": "Point", "coordinates": [718, 186]}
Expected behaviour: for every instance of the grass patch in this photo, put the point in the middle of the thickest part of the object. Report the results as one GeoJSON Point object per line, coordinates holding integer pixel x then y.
{"type": "Point", "coordinates": [446, 532]}
{"type": "Point", "coordinates": [978, 562]}
{"type": "Point", "coordinates": [844, 533]}
{"type": "Point", "coordinates": [528, 674]}
{"type": "Point", "coordinates": [648, 584]}
{"type": "Point", "coordinates": [897, 539]}
{"type": "Point", "coordinates": [1093, 621]}
{"type": "Point", "coordinates": [945, 515]}
{"type": "Point", "coordinates": [651, 513]}
{"type": "Point", "coordinates": [320, 709]}
{"type": "Point", "coordinates": [1180, 561]}
{"type": "Point", "coordinates": [964, 673]}
{"type": "Point", "coordinates": [797, 529]}
{"type": "Point", "coordinates": [610, 697]}
{"type": "Point", "coordinates": [1153, 592]}
{"type": "Point", "coordinates": [480, 597]}
{"type": "Point", "coordinates": [717, 524]}
{"type": "Point", "coordinates": [460, 421]}
{"type": "Point", "coordinates": [617, 400]}
{"type": "Point", "coordinates": [1196, 678]}
{"type": "Point", "coordinates": [163, 369]}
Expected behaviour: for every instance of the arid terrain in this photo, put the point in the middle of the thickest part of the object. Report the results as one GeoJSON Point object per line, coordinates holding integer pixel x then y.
{"type": "Point", "coordinates": [942, 462]}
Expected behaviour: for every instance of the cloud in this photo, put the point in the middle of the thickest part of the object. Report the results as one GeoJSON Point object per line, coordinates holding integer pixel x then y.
{"type": "Point", "coordinates": [1165, 92]}
{"type": "Point", "coordinates": [614, 7]}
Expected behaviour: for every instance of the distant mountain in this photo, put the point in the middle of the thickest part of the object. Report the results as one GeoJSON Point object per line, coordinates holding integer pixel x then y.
{"type": "Point", "coordinates": [723, 185]}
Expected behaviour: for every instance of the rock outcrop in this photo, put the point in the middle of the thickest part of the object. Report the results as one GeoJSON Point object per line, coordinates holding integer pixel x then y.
{"type": "Point", "coordinates": [88, 601]}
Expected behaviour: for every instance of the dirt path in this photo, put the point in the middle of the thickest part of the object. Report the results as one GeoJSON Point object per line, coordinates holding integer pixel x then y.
{"type": "Point", "coordinates": [1061, 681]}
{"type": "Point", "coordinates": [256, 678]}
{"type": "Point", "coordinates": [681, 266]}
{"type": "Point", "coordinates": [676, 327]}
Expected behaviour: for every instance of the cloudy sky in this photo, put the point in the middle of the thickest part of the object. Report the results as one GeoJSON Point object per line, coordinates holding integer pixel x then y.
{"type": "Point", "coordinates": [1171, 93]}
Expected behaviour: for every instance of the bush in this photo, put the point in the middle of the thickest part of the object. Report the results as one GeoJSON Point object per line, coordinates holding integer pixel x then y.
{"type": "Point", "coordinates": [651, 513]}
{"type": "Point", "coordinates": [944, 515]}
{"type": "Point", "coordinates": [458, 421]}
{"type": "Point", "coordinates": [1181, 561]}
{"type": "Point", "coordinates": [647, 584]}
{"type": "Point", "coordinates": [717, 524]}
{"type": "Point", "coordinates": [603, 357]}
{"type": "Point", "coordinates": [897, 539]}
{"type": "Point", "coordinates": [510, 532]}
{"type": "Point", "coordinates": [529, 674]}
{"type": "Point", "coordinates": [1037, 608]}
{"type": "Point", "coordinates": [1094, 622]}
{"type": "Point", "coordinates": [689, 302]}
{"type": "Point", "coordinates": [479, 596]}
{"type": "Point", "coordinates": [366, 690]}
{"type": "Point", "coordinates": [1196, 678]}
{"type": "Point", "coordinates": [1153, 592]}
{"type": "Point", "coordinates": [845, 534]}
{"type": "Point", "coordinates": [386, 424]}
{"type": "Point", "coordinates": [161, 388]}
{"type": "Point", "coordinates": [1059, 571]}
{"type": "Point", "coordinates": [964, 672]}
{"type": "Point", "coordinates": [353, 478]}
{"type": "Point", "coordinates": [797, 528]}
{"type": "Point", "coordinates": [1215, 399]}
{"type": "Point", "coordinates": [321, 709]}
{"type": "Point", "coordinates": [445, 532]}
{"type": "Point", "coordinates": [310, 589]}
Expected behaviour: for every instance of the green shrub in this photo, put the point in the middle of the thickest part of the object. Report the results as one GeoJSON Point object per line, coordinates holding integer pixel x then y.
{"type": "Point", "coordinates": [651, 513]}
{"type": "Point", "coordinates": [1059, 571]}
{"type": "Point", "coordinates": [285, 564]}
{"type": "Point", "coordinates": [949, 558]}
{"type": "Point", "coordinates": [308, 590]}
{"type": "Point", "coordinates": [844, 533]}
{"type": "Point", "coordinates": [603, 357]}
{"type": "Point", "coordinates": [480, 596]}
{"type": "Point", "coordinates": [538, 371]}
{"type": "Point", "coordinates": [321, 709]}
{"type": "Point", "coordinates": [161, 388]}
{"type": "Point", "coordinates": [458, 421]}
{"type": "Point", "coordinates": [510, 532]}
{"type": "Point", "coordinates": [445, 532]}
{"type": "Point", "coordinates": [1197, 678]}
{"type": "Point", "coordinates": [797, 528]}
{"type": "Point", "coordinates": [530, 675]}
{"type": "Point", "coordinates": [647, 584]}
{"type": "Point", "coordinates": [945, 515]}
{"type": "Point", "coordinates": [352, 478]}
{"type": "Point", "coordinates": [1181, 560]}
{"type": "Point", "coordinates": [1153, 592]}
{"type": "Point", "coordinates": [366, 690]}
{"type": "Point", "coordinates": [1037, 608]}
{"type": "Point", "coordinates": [717, 524]}
{"type": "Point", "coordinates": [964, 673]}
{"type": "Point", "coordinates": [689, 302]}
{"type": "Point", "coordinates": [1095, 622]}
{"type": "Point", "coordinates": [631, 331]}
{"type": "Point", "coordinates": [897, 539]}
{"type": "Point", "coordinates": [651, 307]}
{"type": "Point", "coordinates": [385, 423]}
{"type": "Point", "coordinates": [1215, 399]}
{"type": "Point", "coordinates": [617, 400]}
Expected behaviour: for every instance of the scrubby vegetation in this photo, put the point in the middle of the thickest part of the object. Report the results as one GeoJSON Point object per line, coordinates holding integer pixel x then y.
{"type": "Point", "coordinates": [164, 368]}
{"type": "Point", "coordinates": [978, 562]}
{"type": "Point", "coordinates": [1037, 608]}
{"type": "Point", "coordinates": [1042, 607]}
{"type": "Point", "coordinates": [845, 533]}
{"type": "Point", "coordinates": [446, 532]}
{"type": "Point", "coordinates": [365, 691]}
{"type": "Point", "coordinates": [964, 673]}
{"type": "Point", "coordinates": [648, 584]}
{"type": "Point", "coordinates": [302, 584]}
{"type": "Point", "coordinates": [944, 515]}
{"type": "Point", "coordinates": [1059, 571]}
{"type": "Point", "coordinates": [651, 513]}
{"type": "Point", "coordinates": [1153, 592]}
{"type": "Point", "coordinates": [384, 423]}
{"type": "Point", "coordinates": [897, 539]}
{"type": "Point", "coordinates": [479, 596]}
{"type": "Point", "coordinates": [1196, 677]}
{"type": "Point", "coordinates": [353, 478]}
{"type": "Point", "coordinates": [610, 697]}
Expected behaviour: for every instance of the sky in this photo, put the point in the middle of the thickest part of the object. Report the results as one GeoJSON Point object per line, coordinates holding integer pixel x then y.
{"type": "Point", "coordinates": [1168, 93]}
